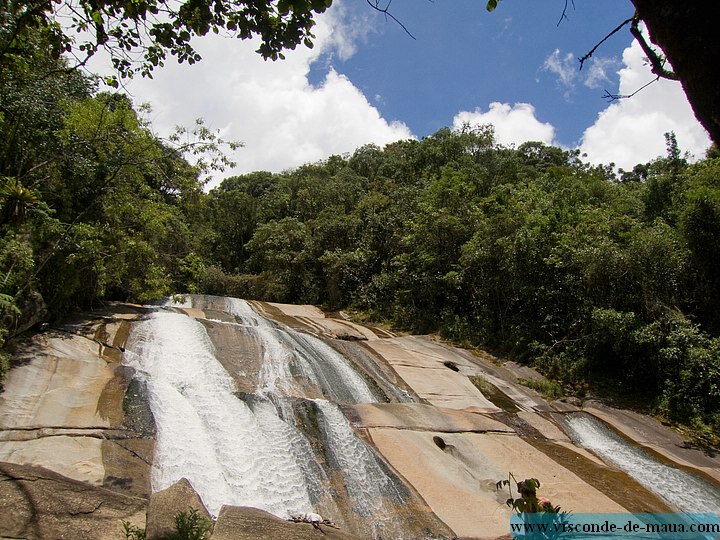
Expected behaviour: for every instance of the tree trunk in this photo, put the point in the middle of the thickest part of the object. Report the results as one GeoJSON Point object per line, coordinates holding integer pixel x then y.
{"type": "Point", "coordinates": [687, 32]}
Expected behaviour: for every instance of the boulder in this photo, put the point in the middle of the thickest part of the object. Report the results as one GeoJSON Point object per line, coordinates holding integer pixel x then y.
{"type": "Point", "coordinates": [38, 503]}
{"type": "Point", "coordinates": [244, 523]}
{"type": "Point", "coordinates": [168, 503]}
{"type": "Point", "coordinates": [33, 311]}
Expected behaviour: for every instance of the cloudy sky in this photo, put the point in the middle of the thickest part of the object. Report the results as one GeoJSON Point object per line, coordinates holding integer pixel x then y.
{"type": "Point", "coordinates": [367, 80]}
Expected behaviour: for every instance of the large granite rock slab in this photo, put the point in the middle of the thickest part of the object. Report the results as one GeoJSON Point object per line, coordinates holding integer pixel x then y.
{"type": "Point", "coordinates": [64, 408]}
{"type": "Point", "coordinates": [421, 417]}
{"type": "Point", "coordinates": [41, 504]}
{"type": "Point", "coordinates": [436, 374]}
{"type": "Point", "coordinates": [168, 503]}
{"type": "Point", "coordinates": [456, 473]}
{"type": "Point", "coordinates": [243, 523]}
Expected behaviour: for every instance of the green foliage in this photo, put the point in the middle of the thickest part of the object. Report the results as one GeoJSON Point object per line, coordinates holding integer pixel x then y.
{"type": "Point", "coordinates": [191, 526]}
{"type": "Point", "coordinates": [528, 502]}
{"type": "Point", "coordinates": [133, 532]}
{"type": "Point", "coordinates": [93, 206]}
{"type": "Point", "coordinates": [482, 384]}
{"type": "Point", "coordinates": [550, 390]}
{"type": "Point", "coordinates": [138, 36]}
{"type": "Point", "coordinates": [188, 526]}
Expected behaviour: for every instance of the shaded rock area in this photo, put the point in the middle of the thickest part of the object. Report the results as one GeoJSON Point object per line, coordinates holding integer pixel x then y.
{"type": "Point", "coordinates": [32, 311]}
{"type": "Point", "coordinates": [41, 504]}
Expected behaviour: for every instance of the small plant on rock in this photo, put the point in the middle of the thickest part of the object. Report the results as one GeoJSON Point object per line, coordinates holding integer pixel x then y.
{"type": "Point", "coordinates": [133, 532]}
{"type": "Point", "coordinates": [528, 503]}
{"type": "Point", "coordinates": [188, 526]}
{"type": "Point", "coordinates": [191, 526]}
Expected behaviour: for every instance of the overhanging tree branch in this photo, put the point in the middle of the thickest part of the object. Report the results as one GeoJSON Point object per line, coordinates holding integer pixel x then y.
{"type": "Point", "coordinates": [563, 15]}
{"type": "Point", "coordinates": [614, 97]}
{"type": "Point", "coordinates": [603, 40]}
{"type": "Point", "coordinates": [657, 61]}
{"type": "Point", "coordinates": [375, 4]}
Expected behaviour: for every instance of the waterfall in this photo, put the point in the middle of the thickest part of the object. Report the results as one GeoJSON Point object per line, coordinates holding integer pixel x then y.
{"type": "Point", "coordinates": [230, 453]}
{"type": "Point", "coordinates": [366, 482]}
{"type": "Point", "coordinates": [288, 354]}
{"type": "Point", "coordinates": [250, 451]}
{"type": "Point", "coordinates": [686, 491]}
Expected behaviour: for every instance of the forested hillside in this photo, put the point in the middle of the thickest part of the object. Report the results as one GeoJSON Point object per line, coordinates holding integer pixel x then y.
{"type": "Point", "coordinates": [591, 276]}
{"type": "Point", "coordinates": [94, 206]}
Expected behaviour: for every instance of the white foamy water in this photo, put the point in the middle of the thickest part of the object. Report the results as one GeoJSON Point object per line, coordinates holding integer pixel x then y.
{"type": "Point", "coordinates": [290, 354]}
{"type": "Point", "coordinates": [368, 485]}
{"type": "Point", "coordinates": [683, 490]}
{"type": "Point", "coordinates": [230, 454]}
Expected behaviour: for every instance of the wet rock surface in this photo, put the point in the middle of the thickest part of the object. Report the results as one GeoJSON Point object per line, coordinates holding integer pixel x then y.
{"type": "Point", "coordinates": [440, 425]}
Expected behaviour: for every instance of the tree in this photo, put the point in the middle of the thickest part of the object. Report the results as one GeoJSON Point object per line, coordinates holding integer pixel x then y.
{"type": "Point", "coordinates": [686, 34]}
{"type": "Point", "coordinates": [138, 34]}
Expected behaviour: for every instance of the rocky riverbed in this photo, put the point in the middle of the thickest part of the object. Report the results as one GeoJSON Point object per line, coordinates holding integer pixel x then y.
{"type": "Point", "coordinates": [78, 435]}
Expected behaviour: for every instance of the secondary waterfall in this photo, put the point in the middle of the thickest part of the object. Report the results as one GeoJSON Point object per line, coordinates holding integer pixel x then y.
{"type": "Point", "coordinates": [366, 483]}
{"type": "Point", "coordinates": [686, 491]}
{"type": "Point", "coordinates": [252, 449]}
{"type": "Point", "coordinates": [288, 354]}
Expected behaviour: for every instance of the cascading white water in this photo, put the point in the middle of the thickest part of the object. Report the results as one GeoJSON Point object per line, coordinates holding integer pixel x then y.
{"type": "Point", "coordinates": [367, 484]}
{"type": "Point", "coordinates": [685, 491]}
{"type": "Point", "coordinates": [230, 454]}
{"type": "Point", "coordinates": [330, 370]}
{"type": "Point", "coordinates": [250, 451]}
{"type": "Point", "coordinates": [289, 353]}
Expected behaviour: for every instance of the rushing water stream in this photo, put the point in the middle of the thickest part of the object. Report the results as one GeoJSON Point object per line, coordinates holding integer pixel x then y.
{"type": "Point", "coordinates": [250, 450]}
{"type": "Point", "coordinates": [283, 443]}
{"type": "Point", "coordinates": [683, 490]}
{"type": "Point", "coordinates": [204, 432]}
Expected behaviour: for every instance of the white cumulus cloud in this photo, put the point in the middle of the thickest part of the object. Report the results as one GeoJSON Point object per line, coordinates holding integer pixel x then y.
{"type": "Point", "coordinates": [514, 124]}
{"type": "Point", "coordinates": [283, 120]}
{"type": "Point", "coordinates": [631, 131]}
{"type": "Point", "coordinates": [565, 67]}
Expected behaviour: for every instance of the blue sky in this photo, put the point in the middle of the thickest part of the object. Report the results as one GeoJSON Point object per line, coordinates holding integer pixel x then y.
{"type": "Point", "coordinates": [367, 81]}
{"type": "Point", "coordinates": [464, 57]}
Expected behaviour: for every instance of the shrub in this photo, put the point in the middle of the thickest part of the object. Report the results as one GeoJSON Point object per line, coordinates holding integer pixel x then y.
{"type": "Point", "coordinates": [548, 389]}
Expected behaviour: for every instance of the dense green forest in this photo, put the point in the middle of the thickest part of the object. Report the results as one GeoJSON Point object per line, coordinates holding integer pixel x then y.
{"type": "Point", "coordinates": [594, 277]}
